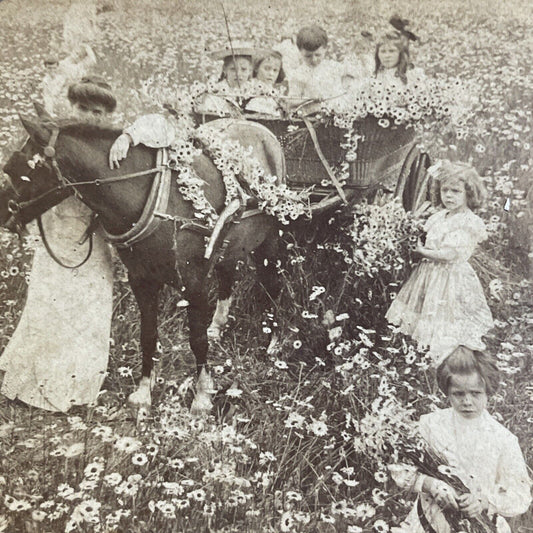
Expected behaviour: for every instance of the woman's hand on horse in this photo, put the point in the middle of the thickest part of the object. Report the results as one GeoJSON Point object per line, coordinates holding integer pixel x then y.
{"type": "Point", "coordinates": [119, 150]}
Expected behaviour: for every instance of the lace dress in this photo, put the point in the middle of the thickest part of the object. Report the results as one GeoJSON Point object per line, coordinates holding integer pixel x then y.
{"type": "Point", "coordinates": [487, 458]}
{"type": "Point", "coordinates": [57, 356]}
{"type": "Point", "coordinates": [442, 304]}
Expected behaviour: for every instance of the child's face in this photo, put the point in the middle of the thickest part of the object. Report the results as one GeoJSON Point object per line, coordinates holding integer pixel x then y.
{"type": "Point", "coordinates": [91, 114]}
{"type": "Point", "coordinates": [313, 59]}
{"type": "Point", "coordinates": [238, 71]}
{"type": "Point", "coordinates": [453, 195]}
{"type": "Point", "coordinates": [467, 395]}
{"type": "Point", "coordinates": [388, 55]}
{"type": "Point", "coordinates": [268, 70]}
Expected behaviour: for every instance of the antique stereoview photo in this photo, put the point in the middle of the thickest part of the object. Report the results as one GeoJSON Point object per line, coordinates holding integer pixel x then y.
{"type": "Point", "coordinates": [266, 266]}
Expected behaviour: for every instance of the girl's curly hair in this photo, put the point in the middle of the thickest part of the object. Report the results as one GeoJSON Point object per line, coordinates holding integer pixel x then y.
{"type": "Point", "coordinates": [447, 171]}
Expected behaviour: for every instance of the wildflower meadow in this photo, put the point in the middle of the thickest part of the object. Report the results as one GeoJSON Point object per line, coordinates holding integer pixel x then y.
{"type": "Point", "coordinates": [316, 392]}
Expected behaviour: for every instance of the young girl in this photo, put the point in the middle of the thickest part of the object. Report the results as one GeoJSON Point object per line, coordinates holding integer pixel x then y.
{"type": "Point", "coordinates": [442, 304]}
{"type": "Point", "coordinates": [236, 74]}
{"type": "Point", "coordinates": [268, 78]}
{"type": "Point", "coordinates": [486, 456]}
{"type": "Point", "coordinates": [58, 355]}
{"type": "Point", "coordinates": [392, 59]}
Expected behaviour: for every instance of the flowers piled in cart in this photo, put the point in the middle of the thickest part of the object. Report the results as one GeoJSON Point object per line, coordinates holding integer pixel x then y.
{"type": "Point", "coordinates": [397, 103]}
{"type": "Point", "coordinates": [395, 108]}
{"type": "Point", "coordinates": [185, 98]}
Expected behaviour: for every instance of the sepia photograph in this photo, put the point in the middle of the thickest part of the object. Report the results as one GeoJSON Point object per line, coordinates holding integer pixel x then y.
{"type": "Point", "coordinates": [265, 266]}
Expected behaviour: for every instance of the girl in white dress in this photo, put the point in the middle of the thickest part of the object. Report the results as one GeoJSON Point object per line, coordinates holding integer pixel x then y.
{"type": "Point", "coordinates": [442, 304]}
{"type": "Point", "coordinates": [57, 356]}
{"type": "Point", "coordinates": [485, 455]}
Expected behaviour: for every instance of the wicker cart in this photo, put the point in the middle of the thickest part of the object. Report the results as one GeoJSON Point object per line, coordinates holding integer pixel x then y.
{"type": "Point", "coordinates": [388, 160]}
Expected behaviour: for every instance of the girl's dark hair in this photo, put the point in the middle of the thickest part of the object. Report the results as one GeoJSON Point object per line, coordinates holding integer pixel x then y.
{"type": "Point", "coordinates": [404, 62]}
{"type": "Point", "coordinates": [228, 60]}
{"type": "Point", "coordinates": [272, 53]}
{"type": "Point", "coordinates": [458, 171]}
{"type": "Point", "coordinates": [464, 362]}
{"type": "Point", "coordinates": [92, 90]}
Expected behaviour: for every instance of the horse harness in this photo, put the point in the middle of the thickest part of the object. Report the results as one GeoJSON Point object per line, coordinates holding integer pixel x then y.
{"type": "Point", "coordinates": [153, 213]}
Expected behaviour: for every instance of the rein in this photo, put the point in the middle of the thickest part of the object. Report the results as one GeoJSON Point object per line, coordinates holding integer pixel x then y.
{"type": "Point", "coordinates": [54, 256]}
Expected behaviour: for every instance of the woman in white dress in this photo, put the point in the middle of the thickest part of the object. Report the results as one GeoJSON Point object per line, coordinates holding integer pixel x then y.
{"type": "Point", "coordinates": [58, 355]}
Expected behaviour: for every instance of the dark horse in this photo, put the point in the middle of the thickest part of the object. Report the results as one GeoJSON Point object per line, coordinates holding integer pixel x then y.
{"type": "Point", "coordinates": [174, 253]}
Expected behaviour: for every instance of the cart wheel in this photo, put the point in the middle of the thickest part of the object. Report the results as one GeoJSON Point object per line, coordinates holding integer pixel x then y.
{"type": "Point", "coordinates": [422, 180]}
{"type": "Point", "coordinates": [403, 180]}
{"type": "Point", "coordinates": [416, 190]}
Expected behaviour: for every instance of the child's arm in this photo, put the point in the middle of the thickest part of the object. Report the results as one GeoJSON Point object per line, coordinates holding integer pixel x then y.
{"type": "Point", "coordinates": [512, 493]}
{"type": "Point", "coordinates": [155, 131]}
{"type": "Point", "coordinates": [442, 254]}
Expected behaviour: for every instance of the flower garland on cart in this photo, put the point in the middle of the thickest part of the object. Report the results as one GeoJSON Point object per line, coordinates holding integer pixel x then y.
{"type": "Point", "coordinates": [242, 175]}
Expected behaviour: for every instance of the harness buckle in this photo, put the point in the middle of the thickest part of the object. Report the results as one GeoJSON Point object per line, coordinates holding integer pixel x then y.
{"type": "Point", "coordinates": [49, 151]}
{"type": "Point", "coordinates": [13, 207]}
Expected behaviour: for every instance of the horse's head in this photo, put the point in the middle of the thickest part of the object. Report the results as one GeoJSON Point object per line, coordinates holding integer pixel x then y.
{"type": "Point", "coordinates": [34, 183]}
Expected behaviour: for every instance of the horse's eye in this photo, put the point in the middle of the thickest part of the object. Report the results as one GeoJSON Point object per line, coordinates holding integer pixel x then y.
{"type": "Point", "coordinates": [25, 178]}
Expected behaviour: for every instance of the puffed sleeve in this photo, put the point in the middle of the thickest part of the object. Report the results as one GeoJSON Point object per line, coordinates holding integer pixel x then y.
{"type": "Point", "coordinates": [155, 131]}
{"type": "Point", "coordinates": [511, 495]}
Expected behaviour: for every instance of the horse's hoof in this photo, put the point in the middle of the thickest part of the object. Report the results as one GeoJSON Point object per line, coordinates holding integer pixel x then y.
{"type": "Point", "coordinates": [140, 398]}
{"type": "Point", "coordinates": [201, 405]}
{"type": "Point", "coordinates": [214, 333]}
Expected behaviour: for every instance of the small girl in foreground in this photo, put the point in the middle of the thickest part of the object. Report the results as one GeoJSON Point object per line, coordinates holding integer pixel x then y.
{"type": "Point", "coordinates": [442, 304]}
{"type": "Point", "coordinates": [486, 456]}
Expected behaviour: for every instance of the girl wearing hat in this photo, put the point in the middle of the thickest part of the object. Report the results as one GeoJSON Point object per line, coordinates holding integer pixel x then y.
{"type": "Point", "coordinates": [58, 355]}
{"type": "Point", "coordinates": [236, 73]}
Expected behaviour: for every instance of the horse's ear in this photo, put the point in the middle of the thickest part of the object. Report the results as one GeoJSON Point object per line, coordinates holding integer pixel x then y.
{"type": "Point", "coordinates": [42, 113]}
{"type": "Point", "coordinates": [36, 130]}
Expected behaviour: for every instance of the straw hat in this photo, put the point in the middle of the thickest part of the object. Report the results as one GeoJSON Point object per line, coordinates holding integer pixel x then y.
{"type": "Point", "coordinates": [237, 48]}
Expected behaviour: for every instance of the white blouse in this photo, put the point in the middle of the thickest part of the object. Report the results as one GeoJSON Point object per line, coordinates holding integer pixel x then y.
{"type": "Point", "coordinates": [486, 456]}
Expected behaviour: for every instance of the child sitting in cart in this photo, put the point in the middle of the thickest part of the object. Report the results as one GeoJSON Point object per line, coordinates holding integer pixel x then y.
{"type": "Point", "coordinates": [235, 77]}
{"type": "Point", "coordinates": [268, 77]}
{"type": "Point", "coordinates": [392, 58]}
{"type": "Point", "coordinates": [317, 77]}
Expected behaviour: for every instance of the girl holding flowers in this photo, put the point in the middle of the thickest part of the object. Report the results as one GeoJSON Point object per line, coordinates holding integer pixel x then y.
{"type": "Point", "coordinates": [442, 304]}
{"type": "Point", "coordinates": [480, 452]}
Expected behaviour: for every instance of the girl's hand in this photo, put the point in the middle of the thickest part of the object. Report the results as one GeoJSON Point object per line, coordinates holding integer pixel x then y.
{"type": "Point", "coordinates": [419, 248]}
{"type": "Point", "coordinates": [471, 505]}
{"type": "Point", "coordinates": [443, 494]}
{"type": "Point", "coordinates": [119, 150]}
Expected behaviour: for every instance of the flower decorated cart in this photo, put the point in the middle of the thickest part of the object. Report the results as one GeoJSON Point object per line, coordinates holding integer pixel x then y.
{"type": "Point", "coordinates": [361, 143]}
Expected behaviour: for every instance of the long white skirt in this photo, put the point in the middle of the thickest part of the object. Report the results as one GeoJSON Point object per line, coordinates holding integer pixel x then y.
{"type": "Point", "coordinates": [57, 356]}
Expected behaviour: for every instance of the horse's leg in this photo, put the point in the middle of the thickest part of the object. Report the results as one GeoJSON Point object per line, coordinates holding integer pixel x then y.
{"type": "Point", "coordinates": [265, 258]}
{"type": "Point", "coordinates": [194, 280]}
{"type": "Point", "coordinates": [146, 293]}
{"type": "Point", "coordinates": [225, 273]}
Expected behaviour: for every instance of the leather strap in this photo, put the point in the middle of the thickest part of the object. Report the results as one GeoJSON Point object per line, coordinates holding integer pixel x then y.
{"type": "Point", "coordinates": [424, 522]}
{"type": "Point", "coordinates": [157, 202]}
